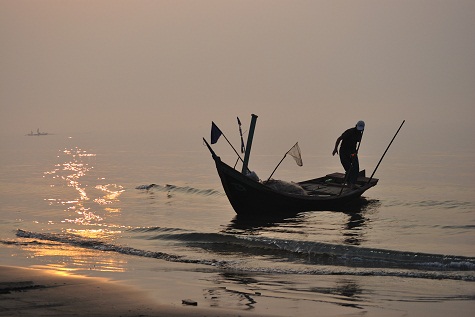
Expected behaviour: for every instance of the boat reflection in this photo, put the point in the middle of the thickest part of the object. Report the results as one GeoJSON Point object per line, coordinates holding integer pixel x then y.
{"type": "Point", "coordinates": [353, 231]}
{"type": "Point", "coordinates": [247, 290]}
{"type": "Point", "coordinates": [246, 225]}
{"type": "Point", "coordinates": [350, 223]}
{"type": "Point", "coordinates": [237, 293]}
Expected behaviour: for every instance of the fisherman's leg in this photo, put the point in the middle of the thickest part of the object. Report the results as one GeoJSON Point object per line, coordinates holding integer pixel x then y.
{"type": "Point", "coordinates": [345, 160]}
{"type": "Point", "coordinates": [355, 169]}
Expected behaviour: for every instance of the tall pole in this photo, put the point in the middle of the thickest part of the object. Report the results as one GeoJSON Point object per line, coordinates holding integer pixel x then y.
{"type": "Point", "coordinates": [385, 151]}
{"type": "Point", "coordinates": [239, 157]}
{"type": "Point", "coordinates": [249, 143]}
{"type": "Point", "coordinates": [275, 169]}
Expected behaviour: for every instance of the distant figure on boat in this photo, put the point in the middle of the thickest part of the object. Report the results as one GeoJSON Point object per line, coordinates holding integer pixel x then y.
{"type": "Point", "coordinates": [38, 133]}
{"type": "Point", "coordinates": [349, 152]}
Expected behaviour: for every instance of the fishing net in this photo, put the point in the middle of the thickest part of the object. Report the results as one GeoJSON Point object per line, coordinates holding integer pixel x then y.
{"type": "Point", "coordinates": [296, 154]}
{"type": "Point", "coordinates": [286, 187]}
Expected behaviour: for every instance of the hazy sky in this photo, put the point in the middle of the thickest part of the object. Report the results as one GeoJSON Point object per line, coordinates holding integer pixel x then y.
{"type": "Point", "coordinates": [72, 66]}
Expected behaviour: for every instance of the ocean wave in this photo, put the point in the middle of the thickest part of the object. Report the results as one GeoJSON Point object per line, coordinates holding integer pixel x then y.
{"type": "Point", "coordinates": [26, 243]}
{"type": "Point", "coordinates": [463, 227]}
{"type": "Point", "coordinates": [323, 258]}
{"type": "Point", "coordinates": [444, 204]}
{"type": "Point", "coordinates": [321, 253]}
{"type": "Point", "coordinates": [154, 229]}
{"type": "Point", "coordinates": [447, 204]}
{"type": "Point", "coordinates": [99, 245]}
{"type": "Point", "coordinates": [180, 189]}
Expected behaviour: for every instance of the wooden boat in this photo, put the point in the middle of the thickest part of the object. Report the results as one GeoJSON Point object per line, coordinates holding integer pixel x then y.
{"type": "Point", "coordinates": [249, 197]}
{"type": "Point", "coordinates": [38, 133]}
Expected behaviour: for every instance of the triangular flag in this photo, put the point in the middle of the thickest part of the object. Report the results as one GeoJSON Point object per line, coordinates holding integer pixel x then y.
{"type": "Point", "coordinates": [215, 133]}
{"type": "Point", "coordinates": [295, 153]}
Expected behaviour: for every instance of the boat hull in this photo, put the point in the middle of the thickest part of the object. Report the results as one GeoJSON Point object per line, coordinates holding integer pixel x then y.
{"type": "Point", "coordinates": [251, 198]}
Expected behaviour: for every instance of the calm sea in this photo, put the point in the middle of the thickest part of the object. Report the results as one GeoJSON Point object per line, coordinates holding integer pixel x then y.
{"type": "Point", "coordinates": [85, 203]}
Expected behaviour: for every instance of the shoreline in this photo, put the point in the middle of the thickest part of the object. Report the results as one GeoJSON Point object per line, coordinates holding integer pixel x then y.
{"type": "Point", "coordinates": [157, 288]}
{"type": "Point", "coordinates": [31, 291]}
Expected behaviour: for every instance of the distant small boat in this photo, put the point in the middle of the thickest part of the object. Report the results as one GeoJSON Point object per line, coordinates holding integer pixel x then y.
{"type": "Point", "coordinates": [38, 133]}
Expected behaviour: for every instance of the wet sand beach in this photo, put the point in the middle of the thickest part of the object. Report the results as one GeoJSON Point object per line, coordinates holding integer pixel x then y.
{"type": "Point", "coordinates": [36, 292]}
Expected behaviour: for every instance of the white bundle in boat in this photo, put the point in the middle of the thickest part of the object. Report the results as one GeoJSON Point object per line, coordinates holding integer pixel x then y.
{"type": "Point", "coordinates": [252, 175]}
{"type": "Point", "coordinates": [286, 187]}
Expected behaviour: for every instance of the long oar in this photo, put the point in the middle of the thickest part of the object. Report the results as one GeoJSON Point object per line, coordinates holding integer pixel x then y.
{"type": "Point", "coordinates": [386, 151]}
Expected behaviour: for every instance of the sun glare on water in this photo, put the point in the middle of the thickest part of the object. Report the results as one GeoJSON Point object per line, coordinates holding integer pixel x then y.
{"type": "Point", "coordinates": [86, 205]}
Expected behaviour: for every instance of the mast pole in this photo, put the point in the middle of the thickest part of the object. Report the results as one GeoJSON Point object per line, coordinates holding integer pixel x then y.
{"type": "Point", "coordinates": [249, 143]}
{"type": "Point", "coordinates": [275, 169]}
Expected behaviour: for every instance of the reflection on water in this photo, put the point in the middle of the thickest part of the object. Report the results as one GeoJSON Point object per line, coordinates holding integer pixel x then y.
{"type": "Point", "coordinates": [356, 225]}
{"type": "Point", "coordinates": [65, 258]}
{"type": "Point", "coordinates": [247, 225]}
{"type": "Point", "coordinates": [74, 172]}
{"type": "Point", "coordinates": [81, 199]}
{"type": "Point", "coordinates": [348, 226]}
{"type": "Point", "coordinates": [352, 230]}
{"type": "Point", "coordinates": [112, 193]}
{"type": "Point", "coordinates": [246, 291]}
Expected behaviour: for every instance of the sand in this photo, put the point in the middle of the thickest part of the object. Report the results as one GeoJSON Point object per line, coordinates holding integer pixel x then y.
{"type": "Point", "coordinates": [38, 292]}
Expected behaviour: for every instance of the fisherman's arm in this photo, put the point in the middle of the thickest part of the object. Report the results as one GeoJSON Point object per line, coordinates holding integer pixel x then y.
{"type": "Point", "coordinates": [335, 150]}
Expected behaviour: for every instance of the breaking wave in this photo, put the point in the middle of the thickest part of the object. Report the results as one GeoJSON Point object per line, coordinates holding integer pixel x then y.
{"type": "Point", "coordinates": [180, 189]}
{"type": "Point", "coordinates": [316, 258]}
{"type": "Point", "coordinates": [444, 204]}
